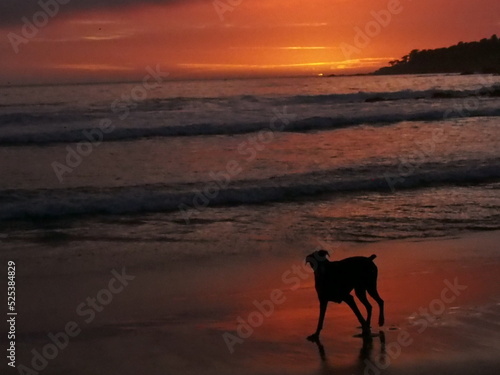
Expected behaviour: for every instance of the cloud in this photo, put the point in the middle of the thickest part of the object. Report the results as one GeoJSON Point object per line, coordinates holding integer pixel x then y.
{"type": "Point", "coordinates": [288, 48]}
{"type": "Point", "coordinates": [355, 63]}
{"type": "Point", "coordinates": [12, 11]}
{"type": "Point", "coordinates": [274, 26]}
{"type": "Point", "coordinates": [85, 38]}
{"type": "Point", "coordinates": [91, 67]}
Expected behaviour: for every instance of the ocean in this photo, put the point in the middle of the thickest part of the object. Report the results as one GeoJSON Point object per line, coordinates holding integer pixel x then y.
{"type": "Point", "coordinates": [208, 167]}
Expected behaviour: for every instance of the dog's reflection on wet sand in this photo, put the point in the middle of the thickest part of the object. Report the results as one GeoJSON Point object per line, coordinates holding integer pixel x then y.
{"type": "Point", "coordinates": [365, 353]}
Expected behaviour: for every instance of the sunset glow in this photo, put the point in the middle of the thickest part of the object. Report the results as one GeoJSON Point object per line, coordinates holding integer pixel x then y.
{"type": "Point", "coordinates": [95, 41]}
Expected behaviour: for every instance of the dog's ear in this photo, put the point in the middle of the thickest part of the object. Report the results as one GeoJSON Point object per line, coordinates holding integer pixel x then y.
{"type": "Point", "coordinates": [323, 253]}
{"type": "Point", "coordinates": [310, 259]}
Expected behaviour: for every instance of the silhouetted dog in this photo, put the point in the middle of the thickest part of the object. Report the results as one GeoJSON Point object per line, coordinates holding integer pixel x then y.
{"type": "Point", "coordinates": [334, 282]}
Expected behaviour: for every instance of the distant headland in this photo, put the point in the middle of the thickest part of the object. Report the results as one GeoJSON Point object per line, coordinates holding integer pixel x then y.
{"type": "Point", "coordinates": [464, 58]}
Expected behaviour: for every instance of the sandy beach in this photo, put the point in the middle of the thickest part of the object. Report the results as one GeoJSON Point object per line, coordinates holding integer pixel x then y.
{"type": "Point", "coordinates": [169, 168]}
{"type": "Point", "coordinates": [251, 314]}
{"type": "Point", "coordinates": [177, 243]}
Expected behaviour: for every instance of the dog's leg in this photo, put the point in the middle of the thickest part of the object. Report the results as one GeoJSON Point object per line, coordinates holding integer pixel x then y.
{"type": "Point", "coordinates": [322, 312]}
{"type": "Point", "coordinates": [352, 304]}
{"type": "Point", "coordinates": [373, 292]}
{"type": "Point", "coordinates": [361, 294]}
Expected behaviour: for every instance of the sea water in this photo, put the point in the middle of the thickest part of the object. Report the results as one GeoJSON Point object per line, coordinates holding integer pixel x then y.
{"type": "Point", "coordinates": [204, 164]}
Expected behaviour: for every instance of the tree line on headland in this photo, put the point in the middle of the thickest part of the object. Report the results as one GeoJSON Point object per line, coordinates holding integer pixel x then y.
{"type": "Point", "coordinates": [465, 58]}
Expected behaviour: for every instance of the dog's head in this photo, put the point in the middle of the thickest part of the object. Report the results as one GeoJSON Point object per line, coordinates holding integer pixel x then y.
{"type": "Point", "coordinates": [314, 259]}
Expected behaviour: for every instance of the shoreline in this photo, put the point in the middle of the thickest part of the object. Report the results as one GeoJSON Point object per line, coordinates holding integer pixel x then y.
{"type": "Point", "coordinates": [173, 316]}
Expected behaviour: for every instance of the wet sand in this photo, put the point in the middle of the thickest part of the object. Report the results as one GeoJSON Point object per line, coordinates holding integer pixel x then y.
{"type": "Point", "coordinates": [442, 301]}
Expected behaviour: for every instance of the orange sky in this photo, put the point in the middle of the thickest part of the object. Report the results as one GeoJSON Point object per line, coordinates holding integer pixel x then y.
{"type": "Point", "coordinates": [89, 40]}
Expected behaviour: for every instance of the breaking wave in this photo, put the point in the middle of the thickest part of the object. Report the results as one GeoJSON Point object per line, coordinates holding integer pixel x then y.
{"type": "Point", "coordinates": [40, 204]}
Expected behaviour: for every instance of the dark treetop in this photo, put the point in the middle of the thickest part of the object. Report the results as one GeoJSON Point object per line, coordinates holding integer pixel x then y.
{"type": "Point", "coordinates": [466, 58]}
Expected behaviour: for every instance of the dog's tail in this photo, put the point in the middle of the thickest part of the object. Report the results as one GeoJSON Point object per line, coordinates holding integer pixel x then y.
{"type": "Point", "coordinates": [371, 257]}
